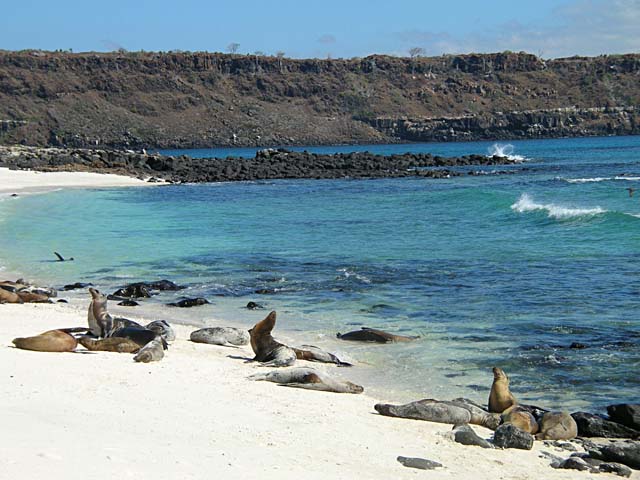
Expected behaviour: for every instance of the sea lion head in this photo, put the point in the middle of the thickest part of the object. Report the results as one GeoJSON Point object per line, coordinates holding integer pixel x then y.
{"type": "Point", "coordinates": [353, 388]}
{"type": "Point", "coordinates": [499, 375]}
{"type": "Point", "coordinates": [262, 330]}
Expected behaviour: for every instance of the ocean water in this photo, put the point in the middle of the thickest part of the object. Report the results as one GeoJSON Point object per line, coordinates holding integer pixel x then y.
{"type": "Point", "coordinates": [494, 270]}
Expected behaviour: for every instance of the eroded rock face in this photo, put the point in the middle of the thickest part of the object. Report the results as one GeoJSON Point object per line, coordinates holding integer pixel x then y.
{"type": "Point", "coordinates": [510, 436]}
{"type": "Point", "coordinates": [590, 425]}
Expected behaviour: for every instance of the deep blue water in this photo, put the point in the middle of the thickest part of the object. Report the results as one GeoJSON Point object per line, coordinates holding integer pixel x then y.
{"type": "Point", "coordinates": [504, 270]}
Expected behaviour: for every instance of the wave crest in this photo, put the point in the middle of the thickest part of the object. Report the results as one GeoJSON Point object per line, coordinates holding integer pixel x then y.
{"type": "Point", "coordinates": [505, 150]}
{"type": "Point", "coordinates": [526, 204]}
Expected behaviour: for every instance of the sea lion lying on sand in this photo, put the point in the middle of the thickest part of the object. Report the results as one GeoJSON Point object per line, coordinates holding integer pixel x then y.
{"type": "Point", "coordinates": [152, 351]}
{"type": "Point", "coordinates": [49, 341]}
{"type": "Point", "coordinates": [113, 344]}
{"type": "Point", "coordinates": [557, 426]}
{"type": "Point", "coordinates": [452, 412]}
{"type": "Point", "coordinates": [315, 354]}
{"type": "Point", "coordinates": [366, 334]}
{"type": "Point", "coordinates": [162, 328]}
{"type": "Point", "coordinates": [308, 378]}
{"type": "Point", "coordinates": [500, 397]}
{"type": "Point", "coordinates": [7, 296]}
{"type": "Point", "coordinates": [225, 336]}
{"type": "Point", "coordinates": [29, 297]}
{"type": "Point", "coordinates": [138, 334]}
{"type": "Point", "coordinates": [267, 350]}
{"type": "Point", "coordinates": [521, 418]}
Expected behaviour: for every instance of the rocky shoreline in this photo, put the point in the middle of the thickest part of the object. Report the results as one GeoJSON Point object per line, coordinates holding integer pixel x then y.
{"type": "Point", "coordinates": [267, 164]}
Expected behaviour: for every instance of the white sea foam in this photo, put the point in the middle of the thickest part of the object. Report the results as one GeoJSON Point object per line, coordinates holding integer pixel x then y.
{"type": "Point", "coordinates": [527, 204]}
{"type": "Point", "coordinates": [505, 150]}
{"type": "Point", "coordinates": [601, 179]}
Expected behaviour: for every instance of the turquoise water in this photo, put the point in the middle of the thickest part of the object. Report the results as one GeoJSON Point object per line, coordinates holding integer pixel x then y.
{"type": "Point", "coordinates": [503, 270]}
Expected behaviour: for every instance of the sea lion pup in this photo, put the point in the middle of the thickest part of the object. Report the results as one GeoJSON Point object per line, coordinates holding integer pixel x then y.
{"type": "Point", "coordinates": [521, 418]}
{"type": "Point", "coordinates": [49, 341]}
{"type": "Point", "coordinates": [225, 336]}
{"type": "Point", "coordinates": [152, 351]}
{"type": "Point", "coordinates": [9, 297]}
{"type": "Point", "coordinates": [308, 378]}
{"type": "Point", "coordinates": [315, 354]}
{"type": "Point", "coordinates": [112, 344]}
{"type": "Point", "coordinates": [452, 412]}
{"type": "Point", "coordinates": [366, 334]}
{"type": "Point", "coordinates": [500, 397]}
{"type": "Point", "coordinates": [162, 328]}
{"type": "Point", "coordinates": [267, 350]}
{"type": "Point", "coordinates": [557, 426]}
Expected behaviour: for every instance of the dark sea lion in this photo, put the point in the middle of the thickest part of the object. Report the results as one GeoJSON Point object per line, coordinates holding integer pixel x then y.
{"type": "Point", "coordinates": [254, 306]}
{"type": "Point", "coordinates": [189, 302]}
{"type": "Point", "coordinates": [152, 351]}
{"type": "Point", "coordinates": [500, 397]}
{"type": "Point", "coordinates": [49, 341]}
{"type": "Point", "coordinates": [315, 354]}
{"type": "Point", "coordinates": [366, 334]}
{"type": "Point", "coordinates": [162, 328]}
{"type": "Point", "coordinates": [9, 297]}
{"type": "Point", "coordinates": [28, 297]}
{"type": "Point", "coordinates": [138, 334]}
{"type": "Point", "coordinates": [521, 418]}
{"type": "Point", "coordinates": [112, 344]}
{"type": "Point", "coordinates": [267, 350]}
{"type": "Point", "coordinates": [452, 412]}
{"type": "Point", "coordinates": [225, 336]}
{"type": "Point", "coordinates": [101, 323]}
{"type": "Point", "coordinates": [308, 378]}
{"type": "Point", "coordinates": [557, 426]}
{"type": "Point", "coordinates": [61, 258]}
{"type": "Point", "coordinates": [128, 303]}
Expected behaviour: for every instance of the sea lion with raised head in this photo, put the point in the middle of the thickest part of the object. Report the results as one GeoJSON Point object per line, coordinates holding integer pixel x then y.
{"type": "Point", "coordinates": [101, 323]}
{"type": "Point", "coordinates": [7, 296]}
{"type": "Point", "coordinates": [557, 426]}
{"type": "Point", "coordinates": [49, 341]}
{"type": "Point", "coordinates": [521, 418]}
{"type": "Point", "coordinates": [268, 351]}
{"type": "Point", "coordinates": [308, 378]}
{"type": "Point", "coordinates": [152, 351]}
{"type": "Point", "coordinates": [315, 354]}
{"type": "Point", "coordinates": [112, 344]}
{"type": "Point", "coordinates": [366, 334]}
{"type": "Point", "coordinates": [452, 412]}
{"type": "Point", "coordinates": [500, 397]}
{"type": "Point", "coordinates": [162, 328]}
{"type": "Point", "coordinates": [225, 336]}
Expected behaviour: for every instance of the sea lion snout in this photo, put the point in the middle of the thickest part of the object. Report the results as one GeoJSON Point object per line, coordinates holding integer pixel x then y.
{"type": "Point", "coordinates": [498, 373]}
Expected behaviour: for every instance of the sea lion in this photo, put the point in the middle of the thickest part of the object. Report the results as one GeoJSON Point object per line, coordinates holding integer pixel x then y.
{"type": "Point", "coordinates": [138, 334]}
{"type": "Point", "coordinates": [28, 297]}
{"type": "Point", "coordinates": [557, 426]}
{"type": "Point", "coordinates": [49, 341]}
{"type": "Point", "coordinates": [521, 418]}
{"type": "Point", "coordinates": [152, 351]}
{"type": "Point", "coordinates": [308, 378]}
{"type": "Point", "coordinates": [101, 323]}
{"type": "Point", "coordinates": [112, 344]}
{"type": "Point", "coordinates": [9, 297]}
{"type": "Point", "coordinates": [500, 397]}
{"type": "Point", "coordinates": [61, 258]}
{"type": "Point", "coordinates": [315, 354]}
{"type": "Point", "coordinates": [453, 412]}
{"type": "Point", "coordinates": [267, 350]}
{"type": "Point", "coordinates": [189, 302]}
{"type": "Point", "coordinates": [162, 328]}
{"type": "Point", "coordinates": [225, 336]}
{"type": "Point", "coordinates": [366, 334]}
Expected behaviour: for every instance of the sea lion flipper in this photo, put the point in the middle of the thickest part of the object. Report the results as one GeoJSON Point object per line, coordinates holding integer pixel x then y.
{"type": "Point", "coordinates": [60, 257]}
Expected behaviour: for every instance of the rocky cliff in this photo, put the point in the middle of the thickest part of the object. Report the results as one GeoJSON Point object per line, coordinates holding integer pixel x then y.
{"type": "Point", "coordinates": [208, 99]}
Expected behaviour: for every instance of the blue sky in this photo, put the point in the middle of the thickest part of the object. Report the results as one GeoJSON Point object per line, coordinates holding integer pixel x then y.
{"type": "Point", "coordinates": [327, 27]}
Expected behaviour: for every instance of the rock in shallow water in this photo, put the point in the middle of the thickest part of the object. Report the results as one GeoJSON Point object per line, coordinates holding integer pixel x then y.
{"type": "Point", "coordinates": [510, 436]}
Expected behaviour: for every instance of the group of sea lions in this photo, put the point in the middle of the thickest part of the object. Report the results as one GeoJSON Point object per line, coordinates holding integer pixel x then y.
{"type": "Point", "coordinates": [22, 292]}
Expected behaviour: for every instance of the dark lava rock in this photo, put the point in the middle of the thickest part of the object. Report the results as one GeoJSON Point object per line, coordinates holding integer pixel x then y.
{"type": "Point", "coordinates": [265, 291]}
{"type": "Point", "coordinates": [575, 463]}
{"type": "Point", "coordinates": [577, 346]}
{"type": "Point", "coordinates": [617, 468]}
{"type": "Point", "coordinates": [128, 303]}
{"type": "Point", "coordinates": [625, 413]}
{"type": "Point", "coordinates": [590, 425]}
{"type": "Point", "coordinates": [74, 286]}
{"type": "Point", "coordinates": [62, 300]}
{"type": "Point", "coordinates": [254, 306]}
{"type": "Point", "coordinates": [421, 463]}
{"type": "Point", "coordinates": [562, 445]}
{"type": "Point", "coordinates": [164, 285]}
{"type": "Point", "coordinates": [466, 435]}
{"type": "Point", "coordinates": [189, 302]}
{"type": "Point", "coordinates": [134, 290]}
{"type": "Point", "coordinates": [510, 436]}
{"type": "Point", "coordinates": [627, 453]}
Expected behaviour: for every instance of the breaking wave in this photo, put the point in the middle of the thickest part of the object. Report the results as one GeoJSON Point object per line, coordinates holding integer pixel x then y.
{"type": "Point", "coordinates": [527, 204]}
{"type": "Point", "coordinates": [601, 179]}
{"type": "Point", "coordinates": [505, 150]}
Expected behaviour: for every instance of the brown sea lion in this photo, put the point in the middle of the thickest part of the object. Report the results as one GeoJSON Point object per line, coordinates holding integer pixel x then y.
{"type": "Point", "coordinates": [29, 297]}
{"type": "Point", "coordinates": [9, 297]}
{"type": "Point", "coordinates": [366, 334]}
{"type": "Point", "coordinates": [112, 344]}
{"type": "Point", "coordinates": [101, 323]}
{"type": "Point", "coordinates": [521, 418]}
{"type": "Point", "coordinates": [315, 354]}
{"type": "Point", "coordinates": [557, 426]}
{"type": "Point", "coordinates": [268, 351]}
{"type": "Point", "coordinates": [500, 397]}
{"type": "Point", "coordinates": [152, 351]}
{"type": "Point", "coordinates": [308, 378]}
{"type": "Point", "coordinates": [49, 341]}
